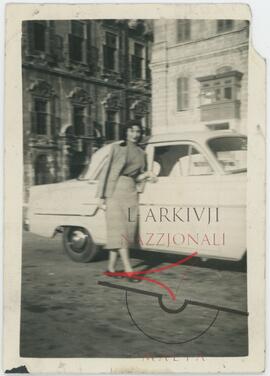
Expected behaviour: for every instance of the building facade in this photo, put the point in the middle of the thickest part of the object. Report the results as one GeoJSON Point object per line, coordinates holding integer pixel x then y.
{"type": "Point", "coordinates": [199, 75]}
{"type": "Point", "coordinates": [82, 80]}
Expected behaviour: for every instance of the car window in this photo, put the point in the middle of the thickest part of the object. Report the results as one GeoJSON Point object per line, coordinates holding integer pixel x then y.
{"type": "Point", "coordinates": [231, 152]}
{"type": "Point", "coordinates": [181, 160]}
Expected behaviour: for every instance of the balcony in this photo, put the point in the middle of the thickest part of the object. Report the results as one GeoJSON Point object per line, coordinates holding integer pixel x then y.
{"type": "Point", "coordinates": [220, 110]}
{"type": "Point", "coordinates": [220, 95]}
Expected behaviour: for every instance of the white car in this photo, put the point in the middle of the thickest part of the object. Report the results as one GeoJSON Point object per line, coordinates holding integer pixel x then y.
{"type": "Point", "coordinates": [198, 203]}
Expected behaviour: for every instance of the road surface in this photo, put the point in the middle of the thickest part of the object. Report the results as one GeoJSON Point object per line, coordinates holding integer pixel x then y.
{"type": "Point", "coordinates": [66, 313]}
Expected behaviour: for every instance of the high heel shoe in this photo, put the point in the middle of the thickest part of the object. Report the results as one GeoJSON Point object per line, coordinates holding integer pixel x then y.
{"type": "Point", "coordinates": [133, 280]}
{"type": "Point", "coordinates": [132, 277]}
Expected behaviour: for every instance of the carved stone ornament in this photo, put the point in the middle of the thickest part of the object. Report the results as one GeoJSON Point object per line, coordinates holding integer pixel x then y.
{"type": "Point", "coordinates": [139, 107]}
{"type": "Point", "coordinates": [80, 96]}
{"type": "Point", "coordinates": [143, 27]}
{"type": "Point", "coordinates": [148, 27]}
{"type": "Point", "coordinates": [41, 88]}
{"type": "Point", "coordinates": [112, 101]}
{"type": "Point", "coordinates": [133, 23]}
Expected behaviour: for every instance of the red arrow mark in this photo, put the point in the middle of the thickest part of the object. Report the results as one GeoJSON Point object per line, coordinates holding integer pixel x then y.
{"type": "Point", "coordinates": [149, 271]}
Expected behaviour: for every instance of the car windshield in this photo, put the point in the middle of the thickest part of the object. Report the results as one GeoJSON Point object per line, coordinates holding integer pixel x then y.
{"type": "Point", "coordinates": [231, 152]}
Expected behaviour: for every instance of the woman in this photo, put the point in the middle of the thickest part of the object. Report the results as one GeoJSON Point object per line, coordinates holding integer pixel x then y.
{"type": "Point", "coordinates": [118, 191]}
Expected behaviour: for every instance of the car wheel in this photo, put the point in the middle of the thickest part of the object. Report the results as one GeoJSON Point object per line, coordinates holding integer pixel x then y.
{"type": "Point", "coordinates": [79, 244]}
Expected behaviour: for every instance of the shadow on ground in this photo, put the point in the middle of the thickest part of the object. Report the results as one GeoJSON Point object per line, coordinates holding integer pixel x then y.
{"type": "Point", "coordinates": [151, 259]}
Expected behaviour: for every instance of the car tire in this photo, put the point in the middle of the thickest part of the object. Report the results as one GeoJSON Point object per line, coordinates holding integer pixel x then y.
{"type": "Point", "coordinates": [78, 244]}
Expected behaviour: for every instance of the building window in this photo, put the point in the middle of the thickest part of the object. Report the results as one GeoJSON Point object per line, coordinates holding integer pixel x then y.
{"type": "Point", "coordinates": [220, 96]}
{"type": "Point", "coordinates": [137, 61]}
{"type": "Point", "coordinates": [109, 51]}
{"type": "Point", "coordinates": [111, 125]}
{"type": "Point", "coordinates": [220, 90]}
{"type": "Point", "coordinates": [182, 93]}
{"type": "Point", "coordinates": [224, 25]}
{"type": "Point", "coordinates": [78, 120]}
{"type": "Point", "coordinates": [183, 30]}
{"type": "Point", "coordinates": [76, 41]}
{"type": "Point", "coordinates": [40, 121]}
{"type": "Point", "coordinates": [43, 119]}
{"type": "Point", "coordinates": [39, 37]}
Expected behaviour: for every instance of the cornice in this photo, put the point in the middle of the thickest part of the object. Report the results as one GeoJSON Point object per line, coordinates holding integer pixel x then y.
{"type": "Point", "coordinates": [79, 78]}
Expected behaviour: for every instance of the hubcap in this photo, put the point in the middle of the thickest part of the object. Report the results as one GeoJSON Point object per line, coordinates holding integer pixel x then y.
{"type": "Point", "coordinates": [77, 240]}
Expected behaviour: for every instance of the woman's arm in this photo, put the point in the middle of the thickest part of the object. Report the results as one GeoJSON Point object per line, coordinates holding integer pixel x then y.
{"type": "Point", "coordinates": [146, 174]}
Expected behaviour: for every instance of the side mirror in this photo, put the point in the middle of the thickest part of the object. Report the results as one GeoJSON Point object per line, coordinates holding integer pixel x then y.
{"type": "Point", "coordinates": [156, 168]}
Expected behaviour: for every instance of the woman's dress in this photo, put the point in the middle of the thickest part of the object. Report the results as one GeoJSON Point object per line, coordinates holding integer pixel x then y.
{"type": "Point", "coordinates": [122, 206]}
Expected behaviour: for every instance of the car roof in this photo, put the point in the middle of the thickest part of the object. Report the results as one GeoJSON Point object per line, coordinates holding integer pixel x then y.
{"type": "Point", "coordinates": [200, 136]}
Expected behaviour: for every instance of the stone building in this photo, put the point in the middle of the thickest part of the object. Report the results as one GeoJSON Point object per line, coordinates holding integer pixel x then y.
{"type": "Point", "coordinates": [82, 80]}
{"type": "Point", "coordinates": [199, 75]}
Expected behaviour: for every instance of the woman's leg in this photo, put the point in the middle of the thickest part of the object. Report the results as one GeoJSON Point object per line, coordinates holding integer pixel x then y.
{"type": "Point", "coordinates": [112, 261]}
{"type": "Point", "coordinates": [124, 253]}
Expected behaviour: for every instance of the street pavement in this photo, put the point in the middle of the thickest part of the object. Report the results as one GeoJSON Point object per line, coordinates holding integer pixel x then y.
{"type": "Point", "coordinates": [66, 313]}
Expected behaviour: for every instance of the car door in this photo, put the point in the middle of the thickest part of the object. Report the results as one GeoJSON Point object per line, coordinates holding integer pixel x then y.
{"type": "Point", "coordinates": [181, 211]}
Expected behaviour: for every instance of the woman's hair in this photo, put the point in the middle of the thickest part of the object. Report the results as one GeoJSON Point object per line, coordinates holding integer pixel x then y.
{"type": "Point", "coordinates": [130, 124]}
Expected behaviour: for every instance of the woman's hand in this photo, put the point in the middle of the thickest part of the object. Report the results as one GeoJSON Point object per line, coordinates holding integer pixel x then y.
{"type": "Point", "coordinates": [151, 177]}
{"type": "Point", "coordinates": [147, 176]}
{"type": "Point", "coordinates": [102, 204]}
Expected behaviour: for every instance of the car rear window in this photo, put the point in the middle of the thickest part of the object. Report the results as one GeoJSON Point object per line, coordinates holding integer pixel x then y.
{"type": "Point", "coordinates": [231, 152]}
